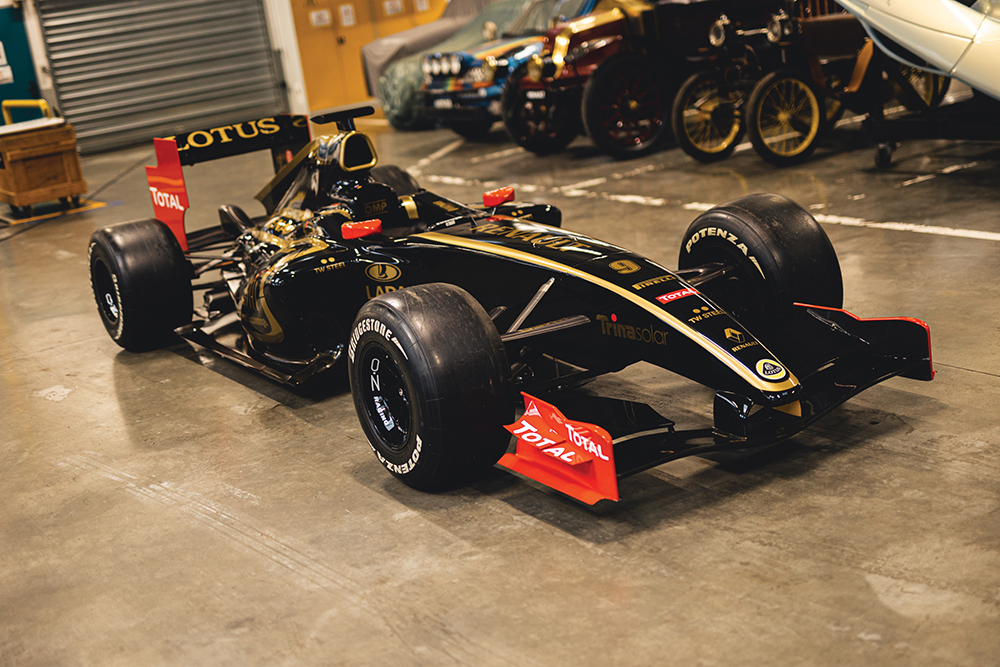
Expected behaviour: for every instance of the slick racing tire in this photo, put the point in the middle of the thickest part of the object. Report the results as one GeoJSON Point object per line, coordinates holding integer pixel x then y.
{"type": "Point", "coordinates": [397, 178]}
{"type": "Point", "coordinates": [777, 255]}
{"type": "Point", "coordinates": [707, 121]}
{"type": "Point", "coordinates": [141, 282]}
{"type": "Point", "coordinates": [542, 126]}
{"type": "Point", "coordinates": [431, 385]}
{"type": "Point", "coordinates": [626, 107]}
{"type": "Point", "coordinates": [786, 116]}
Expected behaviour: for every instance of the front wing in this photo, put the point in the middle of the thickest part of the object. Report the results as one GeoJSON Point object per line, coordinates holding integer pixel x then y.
{"type": "Point", "coordinates": [835, 353]}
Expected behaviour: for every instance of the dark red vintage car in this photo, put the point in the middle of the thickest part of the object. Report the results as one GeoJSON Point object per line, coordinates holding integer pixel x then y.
{"type": "Point", "coordinates": [615, 72]}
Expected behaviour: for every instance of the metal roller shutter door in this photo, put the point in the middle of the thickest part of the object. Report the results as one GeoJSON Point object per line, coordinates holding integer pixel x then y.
{"type": "Point", "coordinates": [126, 70]}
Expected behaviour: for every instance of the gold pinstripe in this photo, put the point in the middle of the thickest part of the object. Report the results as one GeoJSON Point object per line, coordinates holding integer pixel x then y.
{"type": "Point", "coordinates": [711, 346]}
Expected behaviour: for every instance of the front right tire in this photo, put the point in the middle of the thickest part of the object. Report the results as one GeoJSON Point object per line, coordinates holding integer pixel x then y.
{"type": "Point", "coordinates": [777, 254]}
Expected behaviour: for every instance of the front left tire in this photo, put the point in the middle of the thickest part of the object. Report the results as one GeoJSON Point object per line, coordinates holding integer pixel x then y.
{"type": "Point", "coordinates": [431, 385]}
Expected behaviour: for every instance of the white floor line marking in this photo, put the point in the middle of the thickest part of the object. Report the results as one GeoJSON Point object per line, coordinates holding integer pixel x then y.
{"type": "Point", "coordinates": [918, 179]}
{"type": "Point", "coordinates": [956, 167]}
{"type": "Point", "coordinates": [636, 199]}
{"type": "Point", "coordinates": [697, 206]}
{"type": "Point", "coordinates": [635, 172]}
{"type": "Point", "coordinates": [458, 180]}
{"type": "Point", "coordinates": [584, 184]}
{"type": "Point", "coordinates": [909, 227]}
{"type": "Point", "coordinates": [703, 206]}
{"type": "Point", "coordinates": [441, 152]}
{"type": "Point", "coordinates": [947, 170]}
{"type": "Point", "coordinates": [498, 155]}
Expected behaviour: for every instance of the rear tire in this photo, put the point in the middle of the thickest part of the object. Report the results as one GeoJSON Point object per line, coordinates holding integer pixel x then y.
{"type": "Point", "coordinates": [399, 92]}
{"type": "Point", "coordinates": [141, 282]}
{"type": "Point", "coordinates": [779, 255]}
{"type": "Point", "coordinates": [431, 385]}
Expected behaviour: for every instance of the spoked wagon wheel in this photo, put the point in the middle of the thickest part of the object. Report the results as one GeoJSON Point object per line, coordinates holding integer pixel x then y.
{"type": "Point", "coordinates": [707, 120]}
{"type": "Point", "coordinates": [536, 119]}
{"type": "Point", "coordinates": [786, 116]}
{"type": "Point", "coordinates": [625, 106]}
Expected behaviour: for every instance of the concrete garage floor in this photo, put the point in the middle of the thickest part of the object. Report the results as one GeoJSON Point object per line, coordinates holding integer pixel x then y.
{"type": "Point", "coordinates": [170, 508]}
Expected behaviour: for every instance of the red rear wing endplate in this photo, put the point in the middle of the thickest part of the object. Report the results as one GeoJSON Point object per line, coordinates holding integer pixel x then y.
{"type": "Point", "coordinates": [284, 135]}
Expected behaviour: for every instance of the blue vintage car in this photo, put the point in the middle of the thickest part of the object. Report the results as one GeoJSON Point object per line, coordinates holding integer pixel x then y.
{"type": "Point", "coordinates": [399, 87]}
{"type": "Point", "coordinates": [463, 88]}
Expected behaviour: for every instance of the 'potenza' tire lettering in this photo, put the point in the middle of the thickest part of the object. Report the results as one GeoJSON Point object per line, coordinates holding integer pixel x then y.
{"type": "Point", "coordinates": [778, 254]}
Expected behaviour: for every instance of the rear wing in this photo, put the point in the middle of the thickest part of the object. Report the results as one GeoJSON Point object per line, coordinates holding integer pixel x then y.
{"type": "Point", "coordinates": [284, 135]}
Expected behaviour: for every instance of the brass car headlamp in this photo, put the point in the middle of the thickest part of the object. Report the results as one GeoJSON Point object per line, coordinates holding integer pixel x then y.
{"type": "Point", "coordinates": [778, 28]}
{"type": "Point", "coordinates": [717, 33]}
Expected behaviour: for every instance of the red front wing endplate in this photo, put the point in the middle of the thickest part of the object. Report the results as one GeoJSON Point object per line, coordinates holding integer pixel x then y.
{"type": "Point", "coordinates": [569, 456]}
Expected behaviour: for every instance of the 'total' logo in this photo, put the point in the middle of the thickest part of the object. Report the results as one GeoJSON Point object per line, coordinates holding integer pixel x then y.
{"type": "Point", "coordinates": [679, 294]}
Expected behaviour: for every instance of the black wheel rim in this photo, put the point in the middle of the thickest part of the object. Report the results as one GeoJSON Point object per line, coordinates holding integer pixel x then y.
{"type": "Point", "coordinates": [534, 122]}
{"type": "Point", "coordinates": [632, 116]}
{"type": "Point", "coordinates": [738, 291]}
{"type": "Point", "coordinates": [106, 293]}
{"type": "Point", "coordinates": [385, 398]}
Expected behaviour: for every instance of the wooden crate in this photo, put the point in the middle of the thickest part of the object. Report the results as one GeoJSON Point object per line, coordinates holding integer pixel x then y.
{"type": "Point", "coordinates": [40, 165]}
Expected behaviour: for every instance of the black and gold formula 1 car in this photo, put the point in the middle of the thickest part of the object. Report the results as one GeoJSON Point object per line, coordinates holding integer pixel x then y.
{"type": "Point", "coordinates": [445, 312]}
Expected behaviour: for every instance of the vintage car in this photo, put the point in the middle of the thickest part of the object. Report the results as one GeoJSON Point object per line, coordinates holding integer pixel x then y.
{"type": "Point", "coordinates": [788, 84]}
{"type": "Point", "coordinates": [615, 72]}
{"type": "Point", "coordinates": [463, 88]}
{"type": "Point", "coordinates": [446, 315]}
{"type": "Point", "coordinates": [398, 87]}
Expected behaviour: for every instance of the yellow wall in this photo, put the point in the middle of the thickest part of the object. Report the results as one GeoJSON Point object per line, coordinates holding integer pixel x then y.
{"type": "Point", "coordinates": [330, 36]}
